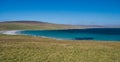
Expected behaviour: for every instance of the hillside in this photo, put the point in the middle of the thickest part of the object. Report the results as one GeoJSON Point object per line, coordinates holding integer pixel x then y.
{"type": "Point", "coordinates": [28, 25]}
{"type": "Point", "coordinates": [21, 48]}
{"type": "Point", "coordinates": [36, 25]}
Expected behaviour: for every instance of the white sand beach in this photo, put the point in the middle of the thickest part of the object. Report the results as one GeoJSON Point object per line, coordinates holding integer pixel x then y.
{"type": "Point", "coordinates": [10, 32]}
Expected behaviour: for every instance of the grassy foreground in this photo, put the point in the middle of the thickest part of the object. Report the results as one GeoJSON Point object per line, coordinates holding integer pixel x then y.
{"type": "Point", "coordinates": [19, 48]}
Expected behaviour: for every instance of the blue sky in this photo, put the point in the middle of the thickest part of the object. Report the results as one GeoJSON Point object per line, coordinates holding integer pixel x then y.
{"type": "Point", "coordinates": [80, 12]}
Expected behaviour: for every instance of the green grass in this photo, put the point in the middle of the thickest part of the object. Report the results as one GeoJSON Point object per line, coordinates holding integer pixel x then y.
{"type": "Point", "coordinates": [19, 48]}
{"type": "Point", "coordinates": [34, 26]}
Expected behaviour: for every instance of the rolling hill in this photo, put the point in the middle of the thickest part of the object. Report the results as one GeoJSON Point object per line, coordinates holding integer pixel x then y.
{"type": "Point", "coordinates": [28, 25]}
{"type": "Point", "coordinates": [35, 25]}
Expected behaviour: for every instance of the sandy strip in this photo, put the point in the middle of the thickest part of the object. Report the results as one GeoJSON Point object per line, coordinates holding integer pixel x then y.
{"type": "Point", "coordinates": [10, 32]}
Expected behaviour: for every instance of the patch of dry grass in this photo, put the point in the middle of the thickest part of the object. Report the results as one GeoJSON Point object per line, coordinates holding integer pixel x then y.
{"type": "Point", "coordinates": [35, 49]}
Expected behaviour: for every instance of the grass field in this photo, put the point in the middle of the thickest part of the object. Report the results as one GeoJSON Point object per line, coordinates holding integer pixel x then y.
{"type": "Point", "coordinates": [35, 26]}
{"type": "Point", "coordinates": [17, 48]}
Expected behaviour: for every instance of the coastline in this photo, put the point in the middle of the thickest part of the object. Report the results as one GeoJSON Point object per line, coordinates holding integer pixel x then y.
{"type": "Point", "coordinates": [10, 32]}
{"type": "Point", "coordinates": [17, 32]}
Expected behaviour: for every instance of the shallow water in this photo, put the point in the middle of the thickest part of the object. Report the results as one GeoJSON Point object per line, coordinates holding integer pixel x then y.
{"type": "Point", "coordinates": [105, 34]}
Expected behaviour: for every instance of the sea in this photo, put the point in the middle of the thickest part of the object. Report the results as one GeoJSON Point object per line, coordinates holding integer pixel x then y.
{"type": "Point", "coordinates": [99, 34]}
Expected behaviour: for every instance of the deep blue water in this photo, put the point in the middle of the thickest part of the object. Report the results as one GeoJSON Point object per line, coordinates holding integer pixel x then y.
{"type": "Point", "coordinates": [105, 34]}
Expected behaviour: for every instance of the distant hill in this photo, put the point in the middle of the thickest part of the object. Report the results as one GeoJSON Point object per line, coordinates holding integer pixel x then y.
{"type": "Point", "coordinates": [113, 26]}
{"type": "Point", "coordinates": [92, 26]}
{"type": "Point", "coordinates": [36, 25]}
{"type": "Point", "coordinates": [34, 22]}
{"type": "Point", "coordinates": [30, 25]}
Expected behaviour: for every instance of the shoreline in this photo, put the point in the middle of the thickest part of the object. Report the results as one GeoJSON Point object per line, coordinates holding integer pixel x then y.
{"type": "Point", "coordinates": [18, 32]}
{"type": "Point", "coordinates": [10, 32]}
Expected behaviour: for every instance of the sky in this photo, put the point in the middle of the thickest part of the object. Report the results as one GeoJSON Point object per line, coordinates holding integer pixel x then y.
{"type": "Point", "coordinates": [78, 12]}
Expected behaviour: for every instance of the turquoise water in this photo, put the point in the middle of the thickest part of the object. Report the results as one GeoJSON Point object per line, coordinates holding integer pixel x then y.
{"type": "Point", "coordinates": [105, 34]}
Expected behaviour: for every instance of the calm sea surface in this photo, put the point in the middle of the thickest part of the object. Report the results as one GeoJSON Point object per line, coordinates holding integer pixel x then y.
{"type": "Point", "coordinates": [105, 34]}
